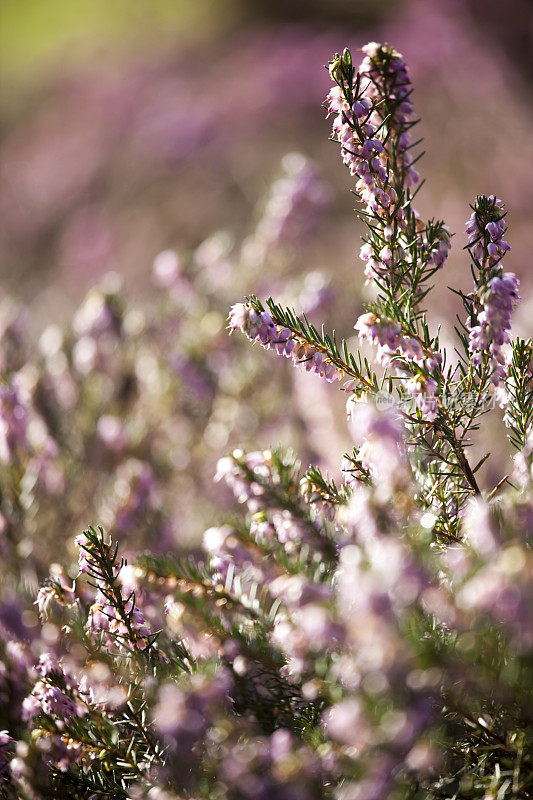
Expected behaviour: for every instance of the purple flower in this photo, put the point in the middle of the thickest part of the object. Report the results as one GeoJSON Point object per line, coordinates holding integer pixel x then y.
{"type": "Point", "coordinates": [497, 297]}
{"type": "Point", "coordinates": [497, 293]}
{"type": "Point", "coordinates": [485, 228]}
{"type": "Point", "coordinates": [259, 326]}
{"type": "Point", "coordinates": [391, 342]}
{"type": "Point", "coordinates": [107, 620]}
{"type": "Point", "coordinates": [358, 128]}
{"type": "Point", "coordinates": [397, 351]}
{"type": "Point", "coordinates": [53, 694]}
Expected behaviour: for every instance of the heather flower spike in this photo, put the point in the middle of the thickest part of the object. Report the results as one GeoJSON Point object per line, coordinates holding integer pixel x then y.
{"type": "Point", "coordinates": [260, 326]}
{"type": "Point", "coordinates": [496, 292]}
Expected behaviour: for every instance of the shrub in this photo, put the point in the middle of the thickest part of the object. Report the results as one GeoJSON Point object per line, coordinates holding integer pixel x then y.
{"type": "Point", "coordinates": [360, 638]}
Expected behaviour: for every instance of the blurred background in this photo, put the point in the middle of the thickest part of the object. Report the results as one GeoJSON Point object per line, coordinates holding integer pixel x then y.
{"type": "Point", "coordinates": [128, 128]}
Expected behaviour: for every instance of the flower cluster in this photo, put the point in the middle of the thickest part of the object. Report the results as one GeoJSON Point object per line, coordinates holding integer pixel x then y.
{"type": "Point", "coordinates": [497, 291]}
{"type": "Point", "coordinates": [393, 343]}
{"type": "Point", "coordinates": [264, 480]}
{"type": "Point", "coordinates": [358, 123]}
{"type": "Point", "coordinates": [53, 694]}
{"type": "Point", "coordinates": [113, 617]}
{"type": "Point", "coordinates": [58, 591]}
{"type": "Point", "coordinates": [498, 299]}
{"type": "Point", "coordinates": [398, 351]}
{"type": "Point", "coordinates": [485, 229]}
{"type": "Point", "coordinates": [259, 326]}
{"type": "Point", "coordinates": [374, 117]}
{"type": "Point", "coordinates": [127, 628]}
{"type": "Point", "coordinates": [437, 246]}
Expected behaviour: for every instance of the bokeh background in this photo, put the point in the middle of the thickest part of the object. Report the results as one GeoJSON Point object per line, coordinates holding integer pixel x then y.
{"type": "Point", "coordinates": [129, 128]}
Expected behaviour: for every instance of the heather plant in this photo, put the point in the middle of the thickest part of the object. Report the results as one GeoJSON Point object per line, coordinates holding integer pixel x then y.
{"type": "Point", "coordinates": [361, 636]}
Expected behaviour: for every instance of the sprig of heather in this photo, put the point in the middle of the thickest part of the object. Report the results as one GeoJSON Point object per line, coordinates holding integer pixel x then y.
{"type": "Point", "coordinates": [320, 490]}
{"type": "Point", "coordinates": [296, 338]}
{"type": "Point", "coordinates": [54, 693]}
{"type": "Point", "coordinates": [260, 326]}
{"type": "Point", "coordinates": [54, 704]}
{"type": "Point", "coordinates": [374, 116]}
{"type": "Point", "coordinates": [414, 370]}
{"type": "Point", "coordinates": [114, 618]}
{"type": "Point", "coordinates": [210, 592]}
{"type": "Point", "coordinates": [373, 122]}
{"type": "Point", "coordinates": [239, 613]}
{"type": "Point", "coordinates": [78, 737]}
{"type": "Point", "coordinates": [496, 293]}
{"type": "Point", "coordinates": [82, 726]}
{"type": "Point", "coordinates": [269, 483]}
{"type": "Point", "coordinates": [56, 592]}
